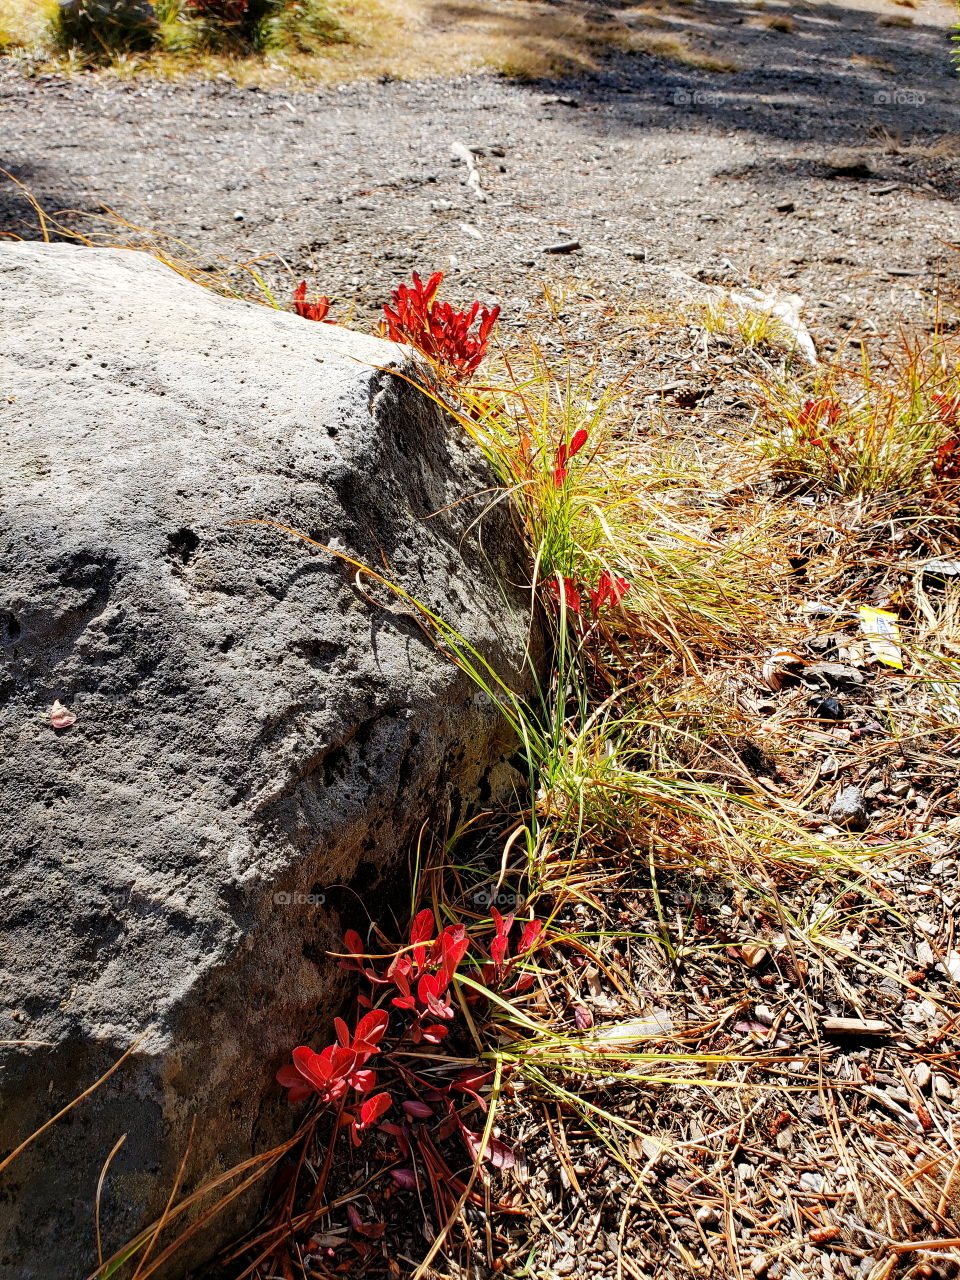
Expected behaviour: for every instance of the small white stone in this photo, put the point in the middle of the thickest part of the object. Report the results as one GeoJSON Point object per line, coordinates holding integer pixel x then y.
{"type": "Point", "coordinates": [942, 1087]}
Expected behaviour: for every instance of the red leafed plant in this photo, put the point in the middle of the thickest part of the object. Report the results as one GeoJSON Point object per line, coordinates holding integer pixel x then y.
{"type": "Point", "coordinates": [567, 451]}
{"type": "Point", "coordinates": [946, 461]}
{"type": "Point", "coordinates": [609, 591]}
{"type": "Point", "coordinates": [501, 966]}
{"type": "Point", "coordinates": [414, 987]}
{"type": "Point", "coordinates": [818, 413]}
{"type": "Point", "coordinates": [435, 328]}
{"type": "Point", "coordinates": [338, 1067]}
{"type": "Point", "coordinates": [565, 589]}
{"type": "Point", "coordinates": [317, 310]}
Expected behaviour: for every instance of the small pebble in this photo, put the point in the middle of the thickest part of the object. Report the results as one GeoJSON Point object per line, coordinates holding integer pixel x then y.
{"type": "Point", "coordinates": [850, 809]}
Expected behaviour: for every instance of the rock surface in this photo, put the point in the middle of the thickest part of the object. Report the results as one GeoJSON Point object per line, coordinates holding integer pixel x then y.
{"type": "Point", "coordinates": [253, 729]}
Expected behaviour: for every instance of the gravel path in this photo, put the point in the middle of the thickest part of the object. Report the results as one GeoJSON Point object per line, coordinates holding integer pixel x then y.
{"type": "Point", "coordinates": [811, 168]}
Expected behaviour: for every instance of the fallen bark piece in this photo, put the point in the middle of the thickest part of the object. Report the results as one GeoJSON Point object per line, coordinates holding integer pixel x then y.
{"type": "Point", "coordinates": [856, 1027]}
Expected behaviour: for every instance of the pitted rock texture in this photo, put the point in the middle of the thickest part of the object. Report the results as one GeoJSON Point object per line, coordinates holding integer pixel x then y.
{"type": "Point", "coordinates": [253, 721]}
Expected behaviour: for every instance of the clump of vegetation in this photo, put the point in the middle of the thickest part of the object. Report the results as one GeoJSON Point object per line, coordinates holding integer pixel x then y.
{"type": "Point", "coordinates": [101, 30]}
{"type": "Point", "coordinates": [248, 26]}
{"type": "Point", "coordinates": [104, 28]}
{"type": "Point", "coordinates": [749, 326]}
{"type": "Point", "coordinates": [892, 429]}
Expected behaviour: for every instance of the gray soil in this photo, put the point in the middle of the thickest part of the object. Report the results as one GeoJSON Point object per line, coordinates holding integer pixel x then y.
{"type": "Point", "coordinates": [812, 169]}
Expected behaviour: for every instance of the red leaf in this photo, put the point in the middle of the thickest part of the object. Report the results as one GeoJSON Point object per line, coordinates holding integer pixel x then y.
{"type": "Point", "coordinates": [500, 943]}
{"type": "Point", "coordinates": [454, 945]}
{"type": "Point", "coordinates": [565, 452]}
{"type": "Point", "coordinates": [311, 1067]}
{"type": "Point", "coordinates": [343, 1032]}
{"type": "Point", "coordinates": [530, 936]}
{"type": "Point", "coordinates": [421, 931]}
{"type": "Point", "coordinates": [578, 441]}
{"type": "Point", "coordinates": [496, 1153]}
{"type": "Point", "coordinates": [418, 1110]}
{"type": "Point", "coordinates": [571, 596]}
{"type": "Point", "coordinates": [353, 942]}
{"type": "Point", "coordinates": [472, 1080]}
{"type": "Point", "coordinates": [405, 1178]}
{"type": "Point", "coordinates": [309, 310]}
{"type": "Point", "coordinates": [363, 1081]}
{"type": "Point", "coordinates": [373, 1109]}
{"type": "Point", "coordinates": [370, 1031]}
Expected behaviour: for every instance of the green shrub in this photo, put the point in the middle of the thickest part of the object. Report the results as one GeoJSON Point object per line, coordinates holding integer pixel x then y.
{"type": "Point", "coordinates": [245, 26]}
{"type": "Point", "coordinates": [103, 28]}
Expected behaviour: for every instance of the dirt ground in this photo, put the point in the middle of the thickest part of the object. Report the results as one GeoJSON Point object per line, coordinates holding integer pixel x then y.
{"type": "Point", "coordinates": [829, 165]}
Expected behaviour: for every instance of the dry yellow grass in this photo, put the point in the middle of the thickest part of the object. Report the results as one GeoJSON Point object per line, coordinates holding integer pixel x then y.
{"type": "Point", "coordinates": [414, 39]}
{"type": "Point", "coordinates": [24, 22]}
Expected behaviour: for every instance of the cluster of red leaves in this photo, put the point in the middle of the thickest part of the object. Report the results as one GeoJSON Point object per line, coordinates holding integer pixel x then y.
{"type": "Point", "coordinates": [500, 968]}
{"type": "Point", "coordinates": [608, 592]}
{"type": "Point", "coordinates": [818, 413]}
{"type": "Point", "coordinates": [416, 317]}
{"type": "Point", "coordinates": [420, 976]}
{"type": "Point", "coordinates": [310, 310]}
{"type": "Point", "coordinates": [946, 462]}
{"type": "Point", "coordinates": [423, 976]}
{"type": "Point", "coordinates": [341, 1067]}
{"type": "Point", "coordinates": [442, 334]}
{"type": "Point", "coordinates": [565, 452]}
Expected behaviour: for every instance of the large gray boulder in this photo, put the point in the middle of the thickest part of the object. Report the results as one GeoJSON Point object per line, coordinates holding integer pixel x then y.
{"type": "Point", "coordinates": [252, 723]}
